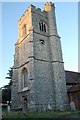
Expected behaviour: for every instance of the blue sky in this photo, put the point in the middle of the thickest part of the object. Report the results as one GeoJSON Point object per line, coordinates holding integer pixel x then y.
{"type": "Point", "coordinates": [67, 24]}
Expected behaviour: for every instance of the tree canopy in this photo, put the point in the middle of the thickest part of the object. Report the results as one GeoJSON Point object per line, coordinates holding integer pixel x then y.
{"type": "Point", "coordinates": [6, 90]}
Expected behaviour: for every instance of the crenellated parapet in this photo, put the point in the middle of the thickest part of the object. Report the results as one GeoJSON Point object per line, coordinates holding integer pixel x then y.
{"type": "Point", "coordinates": [26, 13]}
{"type": "Point", "coordinates": [31, 8]}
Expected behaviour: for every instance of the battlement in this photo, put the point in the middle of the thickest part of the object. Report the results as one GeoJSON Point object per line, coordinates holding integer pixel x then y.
{"type": "Point", "coordinates": [31, 8]}
{"type": "Point", "coordinates": [49, 3]}
{"type": "Point", "coordinates": [49, 6]}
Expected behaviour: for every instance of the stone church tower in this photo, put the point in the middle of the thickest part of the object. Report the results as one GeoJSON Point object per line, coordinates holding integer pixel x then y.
{"type": "Point", "coordinates": [38, 71]}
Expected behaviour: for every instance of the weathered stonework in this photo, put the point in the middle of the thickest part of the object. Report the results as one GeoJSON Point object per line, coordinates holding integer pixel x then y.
{"type": "Point", "coordinates": [38, 62]}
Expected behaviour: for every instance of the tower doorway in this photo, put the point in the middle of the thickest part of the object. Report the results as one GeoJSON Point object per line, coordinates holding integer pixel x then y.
{"type": "Point", "coordinates": [24, 104]}
{"type": "Point", "coordinates": [24, 95]}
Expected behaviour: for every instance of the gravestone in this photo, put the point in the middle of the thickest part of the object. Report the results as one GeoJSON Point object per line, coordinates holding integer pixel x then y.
{"type": "Point", "coordinates": [72, 105]}
{"type": "Point", "coordinates": [8, 106]}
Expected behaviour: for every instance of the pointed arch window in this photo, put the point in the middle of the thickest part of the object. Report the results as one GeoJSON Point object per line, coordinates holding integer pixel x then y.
{"type": "Point", "coordinates": [24, 78]}
{"type": "Point", "coordinates": [23, 31]}
{"type": "Point", "coordinates": [44, 28]}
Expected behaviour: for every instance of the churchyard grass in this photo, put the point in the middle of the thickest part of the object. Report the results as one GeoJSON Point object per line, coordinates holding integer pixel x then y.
{"type": "Point", "coordinates": [50, 114]}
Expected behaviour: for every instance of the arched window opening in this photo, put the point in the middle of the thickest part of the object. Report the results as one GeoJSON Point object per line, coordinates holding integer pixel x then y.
{"type": "Point", "coordinates": [23, 31]}
{"type": "Point", "coordinates": [24, 80]}
{"type": "Point", "coordinates": [42, 26]}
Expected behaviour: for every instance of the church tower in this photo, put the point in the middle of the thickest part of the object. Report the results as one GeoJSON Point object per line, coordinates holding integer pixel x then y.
{"type": "Point", "coordinates": [38, 72]}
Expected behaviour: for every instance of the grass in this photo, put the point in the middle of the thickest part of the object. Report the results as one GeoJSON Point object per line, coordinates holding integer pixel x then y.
{"type": "Point", "coordinates": [51, 114]}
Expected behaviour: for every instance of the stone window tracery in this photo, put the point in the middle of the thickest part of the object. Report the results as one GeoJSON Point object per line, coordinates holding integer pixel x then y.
{"type": "Point", "coordinates": [42, 26]}
{"type": "Point", "coordinates": [24, 29]}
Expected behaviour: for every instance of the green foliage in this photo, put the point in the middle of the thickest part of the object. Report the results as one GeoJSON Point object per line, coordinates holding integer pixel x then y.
{"type": "Point", "coordinates": [6, 90]}
{"type": "Point", "coordinates": [10, 74]}
{"type": "Point", "coordinates": [51, 114]}
{"type": "Point", "coordinates": [6, 95]}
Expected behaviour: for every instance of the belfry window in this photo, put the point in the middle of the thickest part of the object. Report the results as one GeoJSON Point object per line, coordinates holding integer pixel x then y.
{"type": "Point", "coordinates": [42, 26]}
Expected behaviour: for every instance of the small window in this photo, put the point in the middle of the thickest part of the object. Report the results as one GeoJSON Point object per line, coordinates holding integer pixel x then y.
{"type": "Point", "coordinates": [42, 26]}
{"type": "Point", "coordinates": [42, 41]}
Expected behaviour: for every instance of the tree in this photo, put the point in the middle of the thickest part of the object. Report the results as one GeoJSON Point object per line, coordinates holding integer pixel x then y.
{"type": "Point", "coordinates": [10, 74]}
{"type": "Point", "coordinates": [6, 90]}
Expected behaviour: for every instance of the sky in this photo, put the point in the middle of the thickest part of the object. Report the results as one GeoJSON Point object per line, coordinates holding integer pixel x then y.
{"type": "Point", "coordinates": [67, 25]}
